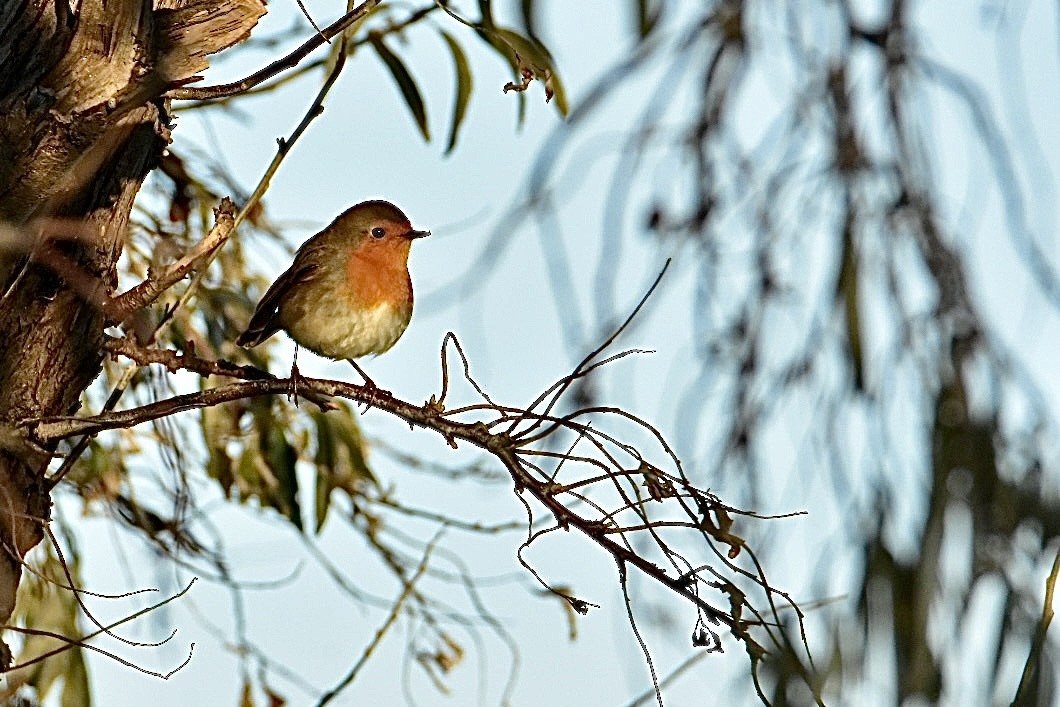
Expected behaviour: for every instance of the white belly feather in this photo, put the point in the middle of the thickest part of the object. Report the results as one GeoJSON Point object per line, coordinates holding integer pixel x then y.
{"type": "Point", "coordinates": [332, 328]}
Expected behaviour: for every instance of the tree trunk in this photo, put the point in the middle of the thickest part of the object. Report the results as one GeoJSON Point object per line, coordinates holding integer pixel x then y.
{"type": "Point", "coordinates": [83, 119]}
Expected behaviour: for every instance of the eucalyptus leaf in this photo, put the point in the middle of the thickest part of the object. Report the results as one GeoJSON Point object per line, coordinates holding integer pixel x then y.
{"type": "Point", "coordinates": [409, 91]}
{"type": "Point", "coordinates": [648, 13]}
{"type": "Point", "coordinates": [281, 458]}
{"type": "Point", "coordinates": [341, 458]}
{"type": "Point", "coordinates": [464, 84]}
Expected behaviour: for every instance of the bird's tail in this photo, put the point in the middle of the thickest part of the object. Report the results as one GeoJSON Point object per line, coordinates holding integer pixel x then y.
{"type": "Point", "coordinates": [259, 329]}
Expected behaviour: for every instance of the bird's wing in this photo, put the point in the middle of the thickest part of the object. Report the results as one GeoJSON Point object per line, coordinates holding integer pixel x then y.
{"type": "Point", "coordinates": [266, 319]}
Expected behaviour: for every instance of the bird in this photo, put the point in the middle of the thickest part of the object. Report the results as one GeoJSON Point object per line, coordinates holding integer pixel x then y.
{"type": "Point", "coordinates": [348, 293]}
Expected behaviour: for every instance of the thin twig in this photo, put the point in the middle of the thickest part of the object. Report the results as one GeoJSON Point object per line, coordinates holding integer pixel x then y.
{"type": "Point", "coordinates": [1034, 659]}
{"type": "Point", "coordinates": [382, 631]}
{"type": "Point", "coordinates": [560, 387]}
{"type": "Point", "coordinates": [70, 643]}
{"type": "Point", "coordinates": [669, 679]}
{"type": "Point", "coordinates": [502, 446]}
{"type": "Point", "coordinates": [623, 582]}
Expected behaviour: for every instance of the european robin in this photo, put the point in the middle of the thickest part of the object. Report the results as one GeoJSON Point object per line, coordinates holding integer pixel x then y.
{"type": "Point", "coordinates": [348, 292]}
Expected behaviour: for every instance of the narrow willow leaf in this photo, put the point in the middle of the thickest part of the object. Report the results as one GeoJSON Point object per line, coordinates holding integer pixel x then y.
{"type": "Point", "coordinates": [485, 8]}
{"type": "Point", "coordinates": [648, 14]}
{"type": "Point", "coordinates": [76, 692]}
{"type": "Point", "coordinates": [281, 458]}
{"type": "Point", "coordinates": [322, 501]}
{"type": "Point", "coordinates": [526, 8]}
{"type": "Point", "coordinates": [247, 477]}
{"type": "Point", "coordinates": [325, 462]}
{"type": "Point", "coordinates": [554, 88]}
{"type": "Point", "coordinates": [341, 458]}
{"type": "Point", "coordinates": [349, 432]}
{"type": "Point", "coordinates": [464, 85]}
{"type": "Point", "coordinates": [847, 292]}
{"type": "Point", "coordinates": [409, 91]}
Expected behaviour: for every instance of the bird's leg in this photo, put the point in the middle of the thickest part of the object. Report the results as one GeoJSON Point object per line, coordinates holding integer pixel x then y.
{"type": "Point", "coordinates": [360, 371]}
{"type": "Point", "coordinates": [368, 382]}
{"type": "Point", "coordinates": [292, 387]}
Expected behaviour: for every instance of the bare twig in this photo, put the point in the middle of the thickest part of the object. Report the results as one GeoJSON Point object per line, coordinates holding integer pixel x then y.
{"type": "Point", "coordinates": [557, 390]}
{"type": "Point", "coordinates": [1034, 659]}
{"type": "Point", "coordinates": [72, 642]}
{"type": "Point", "coordinates": [395, 611]}
{"type": "Point", "coordinates": [500, 445]}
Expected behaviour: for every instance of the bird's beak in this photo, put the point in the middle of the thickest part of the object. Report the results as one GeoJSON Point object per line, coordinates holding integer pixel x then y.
{"type": "Point", "coordinates": [414, 234]}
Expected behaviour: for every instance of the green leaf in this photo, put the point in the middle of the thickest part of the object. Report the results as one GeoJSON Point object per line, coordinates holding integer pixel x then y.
{"type": "Point", "coordinates": [648, 14]}
{"type": "Point", "coordinates": [485, 8]}
{"type": "Point", "coordinates": [281, 458]}
{"type": "Point", "coordinates": [405, 82]}
{"type": "Point", "coordinates": [266, 469]}
{"type": "Point", "coordinates": [464, 85]}
{"type": "Point", "coordinates": [356, 452]}
{"type": "Point", "coordinates": [527, 10]}
{"type": "Point", "coordinates": [554, 87]}
{"type": "Point", "coordinates": [341, 458]}
{"type": "Point", "coordinates": [325, 461]}
{"type": "Point", "coordinates": [323, 501]}
{"type": "Point", "coordinates": [76, 692]}
{"type": "Point", "coordinates": [847, 292]}
{"type": "Point", "coordinates": [248, 478]}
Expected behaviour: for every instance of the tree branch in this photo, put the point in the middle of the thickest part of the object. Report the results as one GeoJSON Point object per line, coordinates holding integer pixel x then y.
{"type": "Point", "coordinates": [499, 444]}
{"type": "Point", "coordinates": [280, 65]}
{"type": "Point", "coordinates": [150, 289]}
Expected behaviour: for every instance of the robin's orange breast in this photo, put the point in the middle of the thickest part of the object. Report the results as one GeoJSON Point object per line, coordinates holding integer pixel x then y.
{"type": "Point", "coordinates": [361, 314]}
{"type": "Point", "coordinates": [380, 274]}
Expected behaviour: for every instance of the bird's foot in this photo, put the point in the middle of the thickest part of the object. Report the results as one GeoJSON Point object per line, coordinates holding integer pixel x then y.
{"type": "Point", "coordinates": [369, 383]}
{"type": "Point", "coordinates": [292, 384]}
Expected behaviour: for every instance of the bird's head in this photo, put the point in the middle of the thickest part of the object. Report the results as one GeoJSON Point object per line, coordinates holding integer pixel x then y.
{"type": "Point", "coordinates": [378, 230]}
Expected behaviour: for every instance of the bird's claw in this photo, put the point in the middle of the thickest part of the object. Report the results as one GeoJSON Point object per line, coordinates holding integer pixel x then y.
{"type": "Point", "coordinates": [292, 384]}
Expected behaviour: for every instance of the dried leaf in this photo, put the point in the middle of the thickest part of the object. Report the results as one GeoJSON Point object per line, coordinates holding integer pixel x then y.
{"type": "Point", "coordinates": [530, 60]}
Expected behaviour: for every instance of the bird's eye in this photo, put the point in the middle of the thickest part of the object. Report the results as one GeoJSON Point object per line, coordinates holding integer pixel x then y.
{"type": "Point", "coordinates": [378, 232]}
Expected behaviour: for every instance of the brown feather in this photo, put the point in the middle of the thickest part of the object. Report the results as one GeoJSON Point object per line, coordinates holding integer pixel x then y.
{"type": "Point", "coordinates": [266, 319]}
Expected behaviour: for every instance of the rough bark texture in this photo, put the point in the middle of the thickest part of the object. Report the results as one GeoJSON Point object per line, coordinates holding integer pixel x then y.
{"type": "Point", "coordinates": [82, 122]}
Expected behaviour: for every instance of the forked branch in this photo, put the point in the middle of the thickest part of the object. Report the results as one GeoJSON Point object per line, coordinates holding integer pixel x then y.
{"type": "Point", "coordinates": [631, 501]}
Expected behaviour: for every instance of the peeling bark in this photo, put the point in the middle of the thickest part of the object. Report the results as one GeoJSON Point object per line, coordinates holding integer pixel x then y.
{"type": "Point", "coordinates": [82, 123]}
